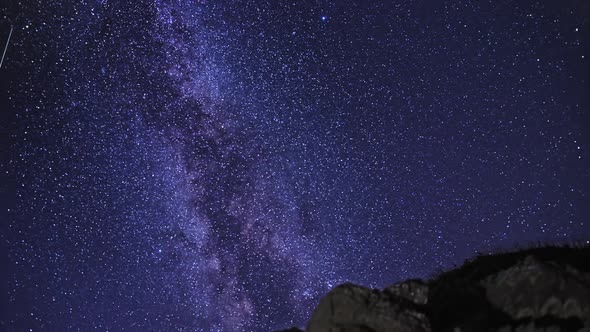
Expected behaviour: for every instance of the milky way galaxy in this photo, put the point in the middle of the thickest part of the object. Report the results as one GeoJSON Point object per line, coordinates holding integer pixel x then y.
{"type": "Point", "coordinates": [184, 165]}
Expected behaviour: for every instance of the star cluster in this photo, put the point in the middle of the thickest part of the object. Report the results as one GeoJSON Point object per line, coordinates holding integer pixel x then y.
{"type": "Point", "coordinates": [220, 165]}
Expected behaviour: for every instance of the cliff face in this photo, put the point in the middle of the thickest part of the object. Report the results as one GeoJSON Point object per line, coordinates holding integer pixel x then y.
{"type": "Point", "coordinates": [540, 289]}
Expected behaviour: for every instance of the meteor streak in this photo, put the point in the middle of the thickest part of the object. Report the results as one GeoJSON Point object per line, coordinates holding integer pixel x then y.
{"type": "Point", "coordinates": [6, 47]}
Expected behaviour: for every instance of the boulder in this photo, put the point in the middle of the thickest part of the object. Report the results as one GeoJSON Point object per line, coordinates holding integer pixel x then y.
{"type": "Point", "coordinates": [351, 308]}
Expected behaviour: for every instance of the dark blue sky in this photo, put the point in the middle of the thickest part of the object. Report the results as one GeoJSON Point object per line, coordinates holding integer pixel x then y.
{"type": "Point", "coordinates": [220, 165]}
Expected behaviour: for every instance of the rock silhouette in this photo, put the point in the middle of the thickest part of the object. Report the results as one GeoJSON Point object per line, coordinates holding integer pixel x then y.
{"type": "Point", "coordinates": [538, 289]}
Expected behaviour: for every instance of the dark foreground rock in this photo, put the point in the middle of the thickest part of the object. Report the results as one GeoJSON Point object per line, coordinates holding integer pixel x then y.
{"type": "Point", "coordinates": [540, 289]}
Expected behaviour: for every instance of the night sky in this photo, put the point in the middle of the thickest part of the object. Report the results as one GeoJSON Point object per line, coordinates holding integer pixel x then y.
{"type": "Point", "coordinates": [220, 165]}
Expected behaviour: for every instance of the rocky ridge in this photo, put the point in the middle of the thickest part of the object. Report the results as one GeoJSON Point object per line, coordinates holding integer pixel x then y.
{"type": "Point", "coordinates": [538, 289]}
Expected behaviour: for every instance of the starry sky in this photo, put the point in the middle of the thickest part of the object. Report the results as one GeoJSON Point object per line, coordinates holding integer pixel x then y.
{"type": "Point", "coordinates": [196, 165]}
